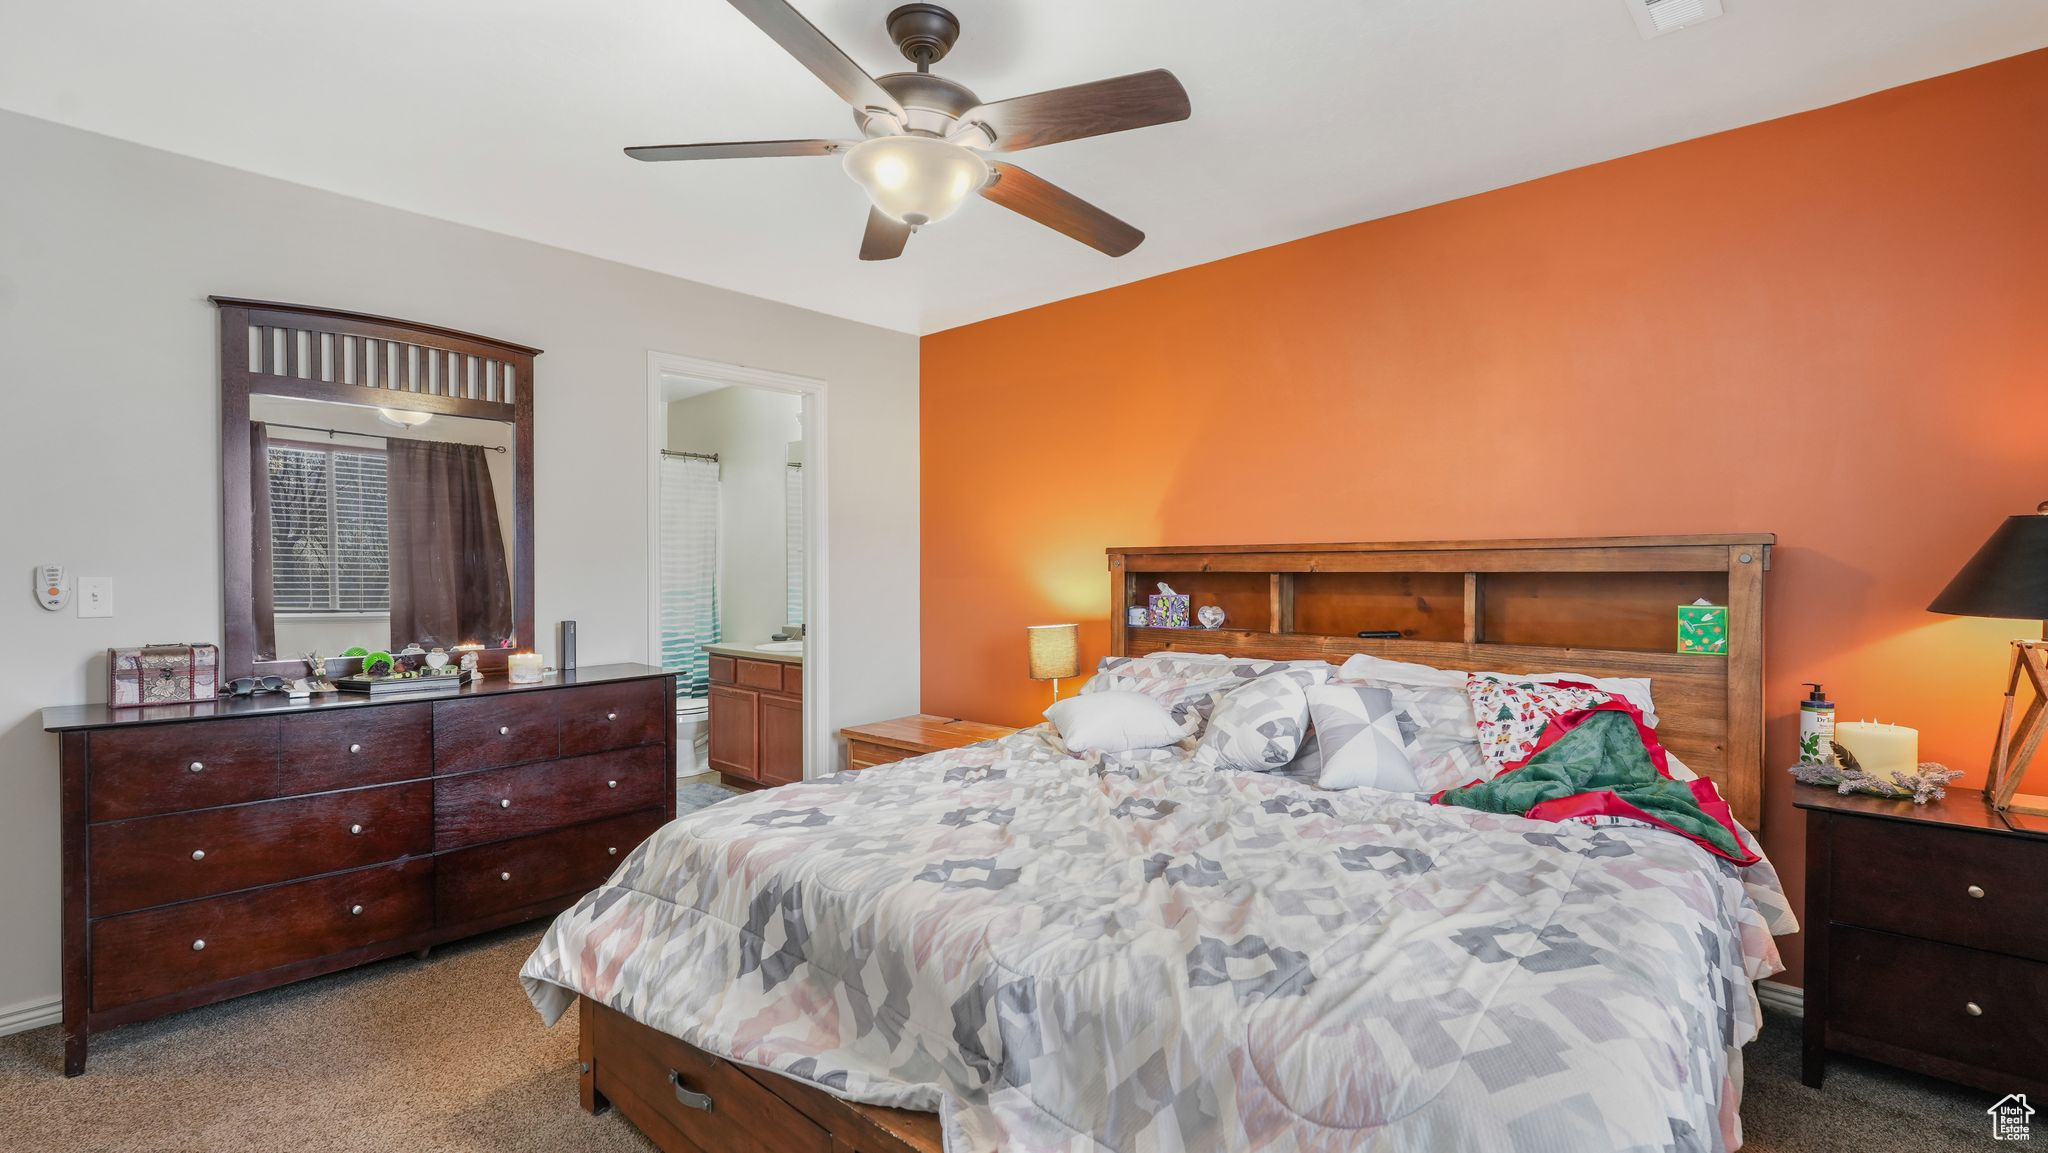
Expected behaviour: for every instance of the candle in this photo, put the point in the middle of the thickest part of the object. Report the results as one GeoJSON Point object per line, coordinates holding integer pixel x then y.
{"type": "Point", "coordinates": [522, 668]}
{"type": "Point", "coordinates": [1881, 749]}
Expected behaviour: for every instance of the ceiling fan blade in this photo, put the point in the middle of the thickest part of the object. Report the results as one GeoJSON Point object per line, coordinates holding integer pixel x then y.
{"type": "Point", "coordinates": [1060, 210]}
{"type": "Point", "coordinates": [798, 37]}
{"type": "Point", "coordinates": [884, 238]}
{"type": "Point", "coordinates": [1139, 100]}
{"type": "Point", "coordinates": [736, 149]}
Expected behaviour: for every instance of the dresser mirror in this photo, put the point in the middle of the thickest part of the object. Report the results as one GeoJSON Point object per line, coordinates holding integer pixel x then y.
{"type": "Point", "coordinates": [377, 481]}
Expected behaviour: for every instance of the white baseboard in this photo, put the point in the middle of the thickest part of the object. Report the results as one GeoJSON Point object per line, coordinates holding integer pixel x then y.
{"type": "Point", "coordinates": [31, 1015]}
{"type": "Point", "coordinates": [1783, 998]}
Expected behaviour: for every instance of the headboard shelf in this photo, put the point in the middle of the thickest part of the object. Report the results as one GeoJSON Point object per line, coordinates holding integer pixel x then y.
{"type": "Point", "coordinates": [1602, 606]}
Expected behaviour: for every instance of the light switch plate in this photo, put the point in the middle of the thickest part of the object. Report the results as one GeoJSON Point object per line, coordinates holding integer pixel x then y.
{"type": "Point", "coordinates": [95, 596]}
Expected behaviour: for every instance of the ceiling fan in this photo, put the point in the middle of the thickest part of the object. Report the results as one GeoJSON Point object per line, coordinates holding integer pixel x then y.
{"type": "Point", "coordinates": [923, 136]}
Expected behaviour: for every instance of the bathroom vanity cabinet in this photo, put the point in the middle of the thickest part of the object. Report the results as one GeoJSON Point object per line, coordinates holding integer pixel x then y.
{"type": "Point", "coordinates": [757, 721]}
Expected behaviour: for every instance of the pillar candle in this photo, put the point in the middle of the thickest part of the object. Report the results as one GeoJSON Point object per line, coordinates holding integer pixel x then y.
{"type": "Point", "coordinates": [1881, 749]}
{"type": "Point", "coordinates": [522, 668]}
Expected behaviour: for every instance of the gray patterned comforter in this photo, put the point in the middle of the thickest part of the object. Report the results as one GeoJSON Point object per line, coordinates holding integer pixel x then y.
{"type": "Point", "coordinates": [1139, 954]}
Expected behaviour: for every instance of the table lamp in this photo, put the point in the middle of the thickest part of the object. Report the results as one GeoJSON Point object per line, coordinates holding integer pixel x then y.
{"type": "Point", "coordinates": [1055, 653]}
{"type": "Point", "coordinates": [2008, 579]}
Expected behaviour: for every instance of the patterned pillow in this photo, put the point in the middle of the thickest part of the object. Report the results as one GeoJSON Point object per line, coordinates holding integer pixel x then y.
{"type": "Point", "coordinates": [1191, 685]}
{"type": "Point", "coordinates": [1511, 715]}
{"type": "Point", "coordinates": [1258, 726]}
{"type": "Point", "coordinates": [1359, 738]}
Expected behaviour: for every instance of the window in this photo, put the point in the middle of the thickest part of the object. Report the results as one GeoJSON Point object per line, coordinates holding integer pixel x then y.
{"type": "Point", "coordinates": [330, 545]}
{"type": "Point", "coordinates": [793, 543]}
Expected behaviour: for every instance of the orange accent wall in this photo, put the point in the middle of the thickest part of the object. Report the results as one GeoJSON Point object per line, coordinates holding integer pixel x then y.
{"type": "Point", "coordinates": [1832, 326]}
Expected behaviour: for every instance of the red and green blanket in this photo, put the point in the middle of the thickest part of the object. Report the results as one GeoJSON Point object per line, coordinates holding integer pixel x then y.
{"type": "Point", "coordinates": [1604, 762]}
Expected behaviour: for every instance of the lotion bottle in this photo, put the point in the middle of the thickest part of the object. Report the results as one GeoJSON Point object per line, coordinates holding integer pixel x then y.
{"type": "Point", "coordinates": [1816, 727]}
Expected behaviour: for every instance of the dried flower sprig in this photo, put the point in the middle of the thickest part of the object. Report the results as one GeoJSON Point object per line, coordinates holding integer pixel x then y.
{"type": "Point", "coordinates": [1930, 783]}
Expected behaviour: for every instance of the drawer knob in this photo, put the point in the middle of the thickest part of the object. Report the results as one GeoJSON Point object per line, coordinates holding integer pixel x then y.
{"type": "Point", "coordinates": [505, 802]}
{"type": "Point", "coordinates": [1975, 891]}
{"type": "Point", "coordinates": [612, 852]}
{"type": "Point", "coordinates": [355, 910]}
{"type": "Point", "coordinates": [196, 766]}
{"type": "Point", "coordinates": [504, 876]}
{"type": "Point", "coordinates": [1973, 1008]}
{"type": "Point", "coordinates": [355, 748]}
{"type": "Point", "coordinates": [199, 854]}
{"type": "Point", "coordinates": [198, 945]}
{"type": "Point", "coordinates": [611, 784]}
{"type": "Point", "coordinates": [611, 716]}
{"type": "Point", "coordinates": [355, 830]}
{"type": "Point", "coordinates": [504, 730]}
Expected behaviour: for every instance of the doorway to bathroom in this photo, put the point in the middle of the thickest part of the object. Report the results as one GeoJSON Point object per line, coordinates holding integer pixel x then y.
{"type": "Point", "coordinates": [736, 546]}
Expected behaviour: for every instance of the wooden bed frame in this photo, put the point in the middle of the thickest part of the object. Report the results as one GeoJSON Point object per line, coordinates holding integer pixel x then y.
{"type": "Point", "coordinates": [1605, 606]}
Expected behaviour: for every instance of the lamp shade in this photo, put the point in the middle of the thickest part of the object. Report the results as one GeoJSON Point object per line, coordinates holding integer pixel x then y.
{"type": "Point", "coordinates": [1055, 651]}
{"type": "Point", "coordinates": [916, 180]}
{"type": "Point", "coordinates": [2008, 578]}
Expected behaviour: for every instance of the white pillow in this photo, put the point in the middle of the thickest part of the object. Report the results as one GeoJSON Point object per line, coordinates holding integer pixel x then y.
{"type": "Point", "coordinates": [1358, 737]}
{"type": "Point", "coordinates": [1114, 721]}
{"type": "Point", "coordinates": [1366, 667]}
{"type": "Point", "coordinates": [1379, 670]}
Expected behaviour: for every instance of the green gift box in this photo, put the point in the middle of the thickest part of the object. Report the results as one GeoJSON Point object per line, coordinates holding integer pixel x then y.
{"type": "Point", "coordinates": [1703, 629]}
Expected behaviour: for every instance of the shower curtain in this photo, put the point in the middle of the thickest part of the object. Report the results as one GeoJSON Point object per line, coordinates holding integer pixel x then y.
{"type": "Point", "coordinates": [689, 570]}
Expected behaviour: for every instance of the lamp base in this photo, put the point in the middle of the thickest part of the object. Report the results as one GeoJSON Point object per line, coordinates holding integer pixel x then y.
{"type": "Point", "coordinates": [2017, 743]}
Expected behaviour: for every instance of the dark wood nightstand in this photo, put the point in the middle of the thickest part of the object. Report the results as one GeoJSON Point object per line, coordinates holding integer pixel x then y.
{"type": "Point", "coordinates": [1927, 938]}
{"type": "Point", "coordinates": [886, 742]}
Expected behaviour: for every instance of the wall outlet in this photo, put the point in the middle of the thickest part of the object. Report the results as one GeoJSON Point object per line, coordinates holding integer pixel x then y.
{"type": "Point", "coordinates": [95, 596]}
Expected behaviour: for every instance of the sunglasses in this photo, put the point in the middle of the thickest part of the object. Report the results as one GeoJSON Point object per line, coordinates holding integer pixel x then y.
{"type": "Point", "coordinates": [250, 686]}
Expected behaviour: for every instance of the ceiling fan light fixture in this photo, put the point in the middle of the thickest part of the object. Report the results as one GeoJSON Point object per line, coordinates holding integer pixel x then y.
{"type": "Point", "coordinates": [916, 180]}
{"type": "Point", "coordinates": [403, 417]}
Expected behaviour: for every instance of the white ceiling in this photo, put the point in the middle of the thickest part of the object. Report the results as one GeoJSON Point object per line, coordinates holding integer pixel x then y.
{"type": "Point", "coordinates": [1308, 115]}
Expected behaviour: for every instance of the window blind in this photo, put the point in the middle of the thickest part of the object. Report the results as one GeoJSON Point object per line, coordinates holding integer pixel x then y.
{"type": "Point", "coordinates": [330, 545]}
{"type": "Point", "coordinates": [793, 545]}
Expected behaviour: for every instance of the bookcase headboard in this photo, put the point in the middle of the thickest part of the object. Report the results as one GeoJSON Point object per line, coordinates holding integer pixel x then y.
{"type": "Point", "coordinates": [1605, 606]}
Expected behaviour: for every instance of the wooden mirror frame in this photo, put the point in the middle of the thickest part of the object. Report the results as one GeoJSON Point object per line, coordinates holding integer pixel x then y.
{"type": "Point", "coordinates": [353, 358]}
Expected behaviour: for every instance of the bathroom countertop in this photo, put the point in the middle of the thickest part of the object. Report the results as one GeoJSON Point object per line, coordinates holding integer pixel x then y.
{"type": "Point", "coordinates": [753, 654]}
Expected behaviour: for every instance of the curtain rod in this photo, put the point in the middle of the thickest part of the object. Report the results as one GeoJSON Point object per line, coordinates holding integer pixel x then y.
{"type": "Point", "coordinates": [333, 432]}
{"type": "Point", "coordinates": [710, 456]}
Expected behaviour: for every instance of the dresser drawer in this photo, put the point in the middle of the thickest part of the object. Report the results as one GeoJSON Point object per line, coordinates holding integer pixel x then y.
{"type": "Point", "coordinates": [621, 716]}
{"type": "Point", "coordinates": [1916, 995]}
{"type": "Point", "coordinates": [472, 884]}
{"type": "Point", "coordinates": [793, 680]}
{"type": "Point", "coordinates": [866, 755]}
{"type": "Point", "coordinates": [183, 947]}
{"type": "Point", "coordinates": [491, 806]}
{"type": "Point", "coordinates": [150, 861]}
{"type": "Point", "coordinates": [644, 1072]}
{"type": "Point", "coordinates": [169, 768]}
{"type": "Point", "coordinates": [485, 732]}
{"type": "Point", "coordinates": [343, 748]}
{"type": "Point", "coordinates": [1984, 890]}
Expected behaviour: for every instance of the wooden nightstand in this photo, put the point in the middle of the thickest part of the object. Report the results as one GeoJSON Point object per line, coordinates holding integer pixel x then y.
{"type": "Point", "coordinates": [1927, 938]}
{"type": "Point", "coordinates": [886, 742]}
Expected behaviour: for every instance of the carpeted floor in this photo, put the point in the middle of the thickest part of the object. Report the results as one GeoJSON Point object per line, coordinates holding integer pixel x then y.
{"type": "Point", "coordinates": [446, 1056]}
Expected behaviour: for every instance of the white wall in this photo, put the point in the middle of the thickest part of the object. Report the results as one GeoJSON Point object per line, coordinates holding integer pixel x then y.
{"type": "Point", "coordinates": [110, 435]}
{"type": "Point", "coordinates": [750, 430]}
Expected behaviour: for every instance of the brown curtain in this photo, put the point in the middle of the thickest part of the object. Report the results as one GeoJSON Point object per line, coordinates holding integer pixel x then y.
{"type": "Point", "coordinates": [262, 588]}
{"type": "Point", "coordinates": [449, 581]}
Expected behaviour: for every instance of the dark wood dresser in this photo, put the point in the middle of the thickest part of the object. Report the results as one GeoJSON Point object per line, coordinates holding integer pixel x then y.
{"type": "Point", "coordinates": [1927, 938]}
{"type": "Point", "coordinates": [212, 850]}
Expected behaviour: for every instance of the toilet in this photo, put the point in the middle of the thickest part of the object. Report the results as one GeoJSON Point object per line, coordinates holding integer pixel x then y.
{"type": "Point", "coordinates": [693, 736]}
